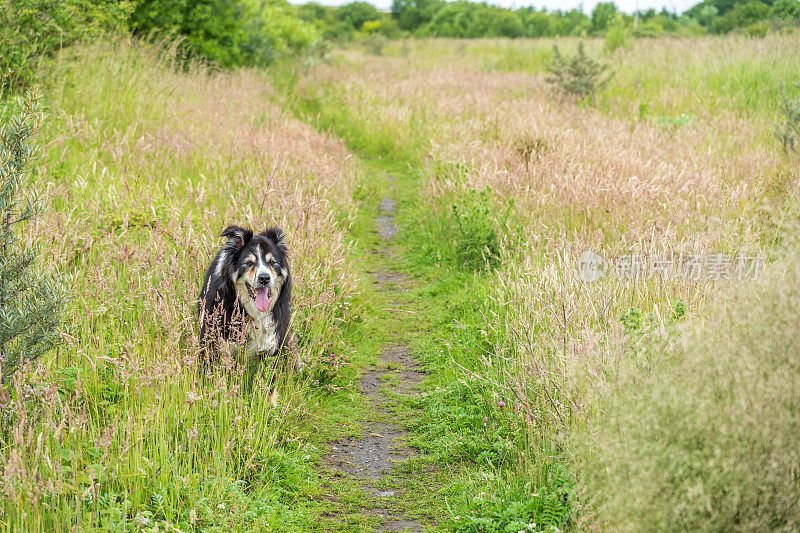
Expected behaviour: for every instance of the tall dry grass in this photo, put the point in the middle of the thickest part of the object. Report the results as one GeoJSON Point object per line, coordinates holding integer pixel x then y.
{"type": "Point", "coordinates": [701, 434]}
{"type": "Point", "coordinates": [144, 164]}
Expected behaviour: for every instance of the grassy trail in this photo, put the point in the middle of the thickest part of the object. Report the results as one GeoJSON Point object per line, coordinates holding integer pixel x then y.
{"type": "Point", "coordinates": [374, 479]}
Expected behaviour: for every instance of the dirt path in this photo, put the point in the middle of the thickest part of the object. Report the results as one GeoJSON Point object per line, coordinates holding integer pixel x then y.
{"type": "Point", "coordinates": [370, 460]}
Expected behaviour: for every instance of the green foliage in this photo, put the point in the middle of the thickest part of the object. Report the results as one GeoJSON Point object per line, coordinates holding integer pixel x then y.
{"type": "Point", "coordinates": [579, 75]}
{"type": "Point", "coordinates": [603, 14]}
{"type": "Point", "coordinates": [478, 225]}
{"type": "Point", "coordinates": [355, 14]}
{"type": "Point", "coordinates": [466, 19]}
{"type": "Point", "coordinates": [228, 32]}
{"type": "Point", "coordinates": [32, 293]}
{"type": "Point", "coordinates": [510, 505]}
{"type": "Point", "coordinates": [788, 130]}
{"type": "Point", "coordinates": [741, 16]}
{"type": "Point", "coordinates": [414, 14]}
{"type": "Point", "coordinates": [617, 35]}
{"type": "Point", "coordinates": [32, 28]}
{"type": "Point", "coordinates": [277, 25]}
{"type": "Point", "coordinates": [786, 10]}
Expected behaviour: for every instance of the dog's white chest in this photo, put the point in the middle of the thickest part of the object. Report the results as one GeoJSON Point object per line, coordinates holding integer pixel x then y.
{"type": "Point", "coordinates": [263, 336]}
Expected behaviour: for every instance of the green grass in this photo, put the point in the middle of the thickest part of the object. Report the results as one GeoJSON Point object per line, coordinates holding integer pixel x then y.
{"type": "Point", "coordinates": [460, 424]}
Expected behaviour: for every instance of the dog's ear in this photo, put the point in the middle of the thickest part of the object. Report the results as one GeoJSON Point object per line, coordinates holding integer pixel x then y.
{"type": "Point", "coordinates": [237, 237]}
{"type": "Point", "coordinates": [277, 236]}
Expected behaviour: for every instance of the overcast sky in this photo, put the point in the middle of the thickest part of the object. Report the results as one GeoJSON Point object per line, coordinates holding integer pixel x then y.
{"type": "Point", "coordinates": [625, 5]}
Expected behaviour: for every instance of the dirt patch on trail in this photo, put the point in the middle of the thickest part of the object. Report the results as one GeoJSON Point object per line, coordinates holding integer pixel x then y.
{"type": "Point", "coordinates": [386, 226]}
{"type": "Point", "coordinates": [374, 454]}
{"type": "Point", "coordinates": [371, 457]}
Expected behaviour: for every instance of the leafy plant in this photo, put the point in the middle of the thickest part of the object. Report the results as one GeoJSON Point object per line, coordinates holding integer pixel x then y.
{"type": "Point", "coordinates": [617, 35]}
{"type": "Point", "coordinates": [508, 506]}
{"type": "Point", "coordinates": [477, 227]}
{"type": "Point", "coordinates": [32, 296]}
{"type": "Point", "coordinates": [788, 130]}
{"type": "Point", "coordinates": [673, 123]}
{"type": "Point", "coordinates": [579, 75]}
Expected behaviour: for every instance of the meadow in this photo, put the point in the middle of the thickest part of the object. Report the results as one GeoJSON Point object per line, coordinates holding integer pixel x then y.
{"type": "Point", "coordinates": [633, 403]}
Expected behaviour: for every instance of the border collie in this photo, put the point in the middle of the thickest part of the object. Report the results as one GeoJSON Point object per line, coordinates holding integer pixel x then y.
{"type": "Point", "coordinates": [244, 305]}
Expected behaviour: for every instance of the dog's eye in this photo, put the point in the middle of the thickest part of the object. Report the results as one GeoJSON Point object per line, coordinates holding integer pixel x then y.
{"type": "Point", "coordinates": [273, 262]}
{"type": "Point", "coordinates": [248, 263]}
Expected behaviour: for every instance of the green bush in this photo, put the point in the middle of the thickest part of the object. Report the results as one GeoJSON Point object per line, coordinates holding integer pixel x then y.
{"type": "Point", "coordinates": [579, 75]}
{"type": "Point", "coordinates": [279, 26]}
{"type": "Point", "coordinates": [355, 14]}
{"type": "Point", "coordinates": [786, 10]}
{"type": "Point", "coordinates": [30, 29]}
{"type": "Point", "coordinates": [759, 29]}
{"type": "Point", "coordinates": [617, 36]}
{"type": "Point", "coordinates": [702, 434]}
{"type": "Point", "coordinates": [32, 294]}
{"type": "Point", "coordinates": [741, 16]}
{"type": "Point", "coordinates": [469, 20]}
{"type": "Point", "coordinates": [478, 226]}
{"type": "Point", "coordinates": [228, 32]}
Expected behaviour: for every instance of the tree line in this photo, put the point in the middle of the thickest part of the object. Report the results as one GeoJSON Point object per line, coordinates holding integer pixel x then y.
{"type": "Point", "coordinates": [257, 32]}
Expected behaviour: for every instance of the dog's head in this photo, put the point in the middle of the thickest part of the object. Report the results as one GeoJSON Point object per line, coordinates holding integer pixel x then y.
{"type": "Point", "coordinates": [258, 267]}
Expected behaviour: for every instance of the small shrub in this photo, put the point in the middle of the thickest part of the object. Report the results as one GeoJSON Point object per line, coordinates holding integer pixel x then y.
{"type": "Point", "coordinates": [579, 75]}
{"type": "Point", "coordinates": [375, 44]}
{"type": "Point", "coordinates": [759, 29]}
{"type": "Point", "coordinates": [477, 226]}
{"type": "Point", "coordinates": [617, 36]}
{"type": "Point", "coordinates": [32, 296]}
{"type": "Point", "coordinates": [788, 130]}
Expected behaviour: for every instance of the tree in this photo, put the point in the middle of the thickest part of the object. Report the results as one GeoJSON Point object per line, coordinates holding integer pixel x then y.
{"type": "Point", "coordinates": [602, 15]}
{"type": "Point", "coordinates": [355, 14]}
{"type": "Point", "coordinates": [414, 14]}
{"type": "Point", "coordinates": [32, 295]}
{"type": "Point", "coordinates": [785, 10]}
{"type": "Point", "coordinates": [579, 75]}
{"type": "Point", "coordinates": [214, 29]}
{"type": "Point", "coordinates": [741, 16]}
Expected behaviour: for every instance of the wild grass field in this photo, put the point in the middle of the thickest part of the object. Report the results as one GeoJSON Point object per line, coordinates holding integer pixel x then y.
{"type": "Point", "coordinates": [549, 403]}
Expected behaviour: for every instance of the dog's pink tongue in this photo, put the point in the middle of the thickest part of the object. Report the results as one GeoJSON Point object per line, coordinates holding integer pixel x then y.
{"type": "Point", "coordinates": [262, 302]}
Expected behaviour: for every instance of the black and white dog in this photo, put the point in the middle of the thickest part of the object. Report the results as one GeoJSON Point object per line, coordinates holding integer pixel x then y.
{"type": "Point", "coordinates": [244, 305]}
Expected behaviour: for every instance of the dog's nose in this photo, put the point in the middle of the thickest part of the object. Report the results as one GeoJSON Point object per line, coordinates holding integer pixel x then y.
{"type": "Point", "coordinates": [264, 279]}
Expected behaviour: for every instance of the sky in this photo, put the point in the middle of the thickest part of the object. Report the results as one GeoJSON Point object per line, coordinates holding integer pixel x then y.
{"type": "Point", "coordinates": [628, 6]}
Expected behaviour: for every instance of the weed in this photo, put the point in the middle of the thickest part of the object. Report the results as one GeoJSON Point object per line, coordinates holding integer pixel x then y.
{"type": "Point", "coordinates": [673, 123]}
{"type": "Point", "coordinates": [530, 148]}
{"type": "Point", "coordinates": [502, 505]}
{"type": "Point", "coordinates": [478, 226]}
